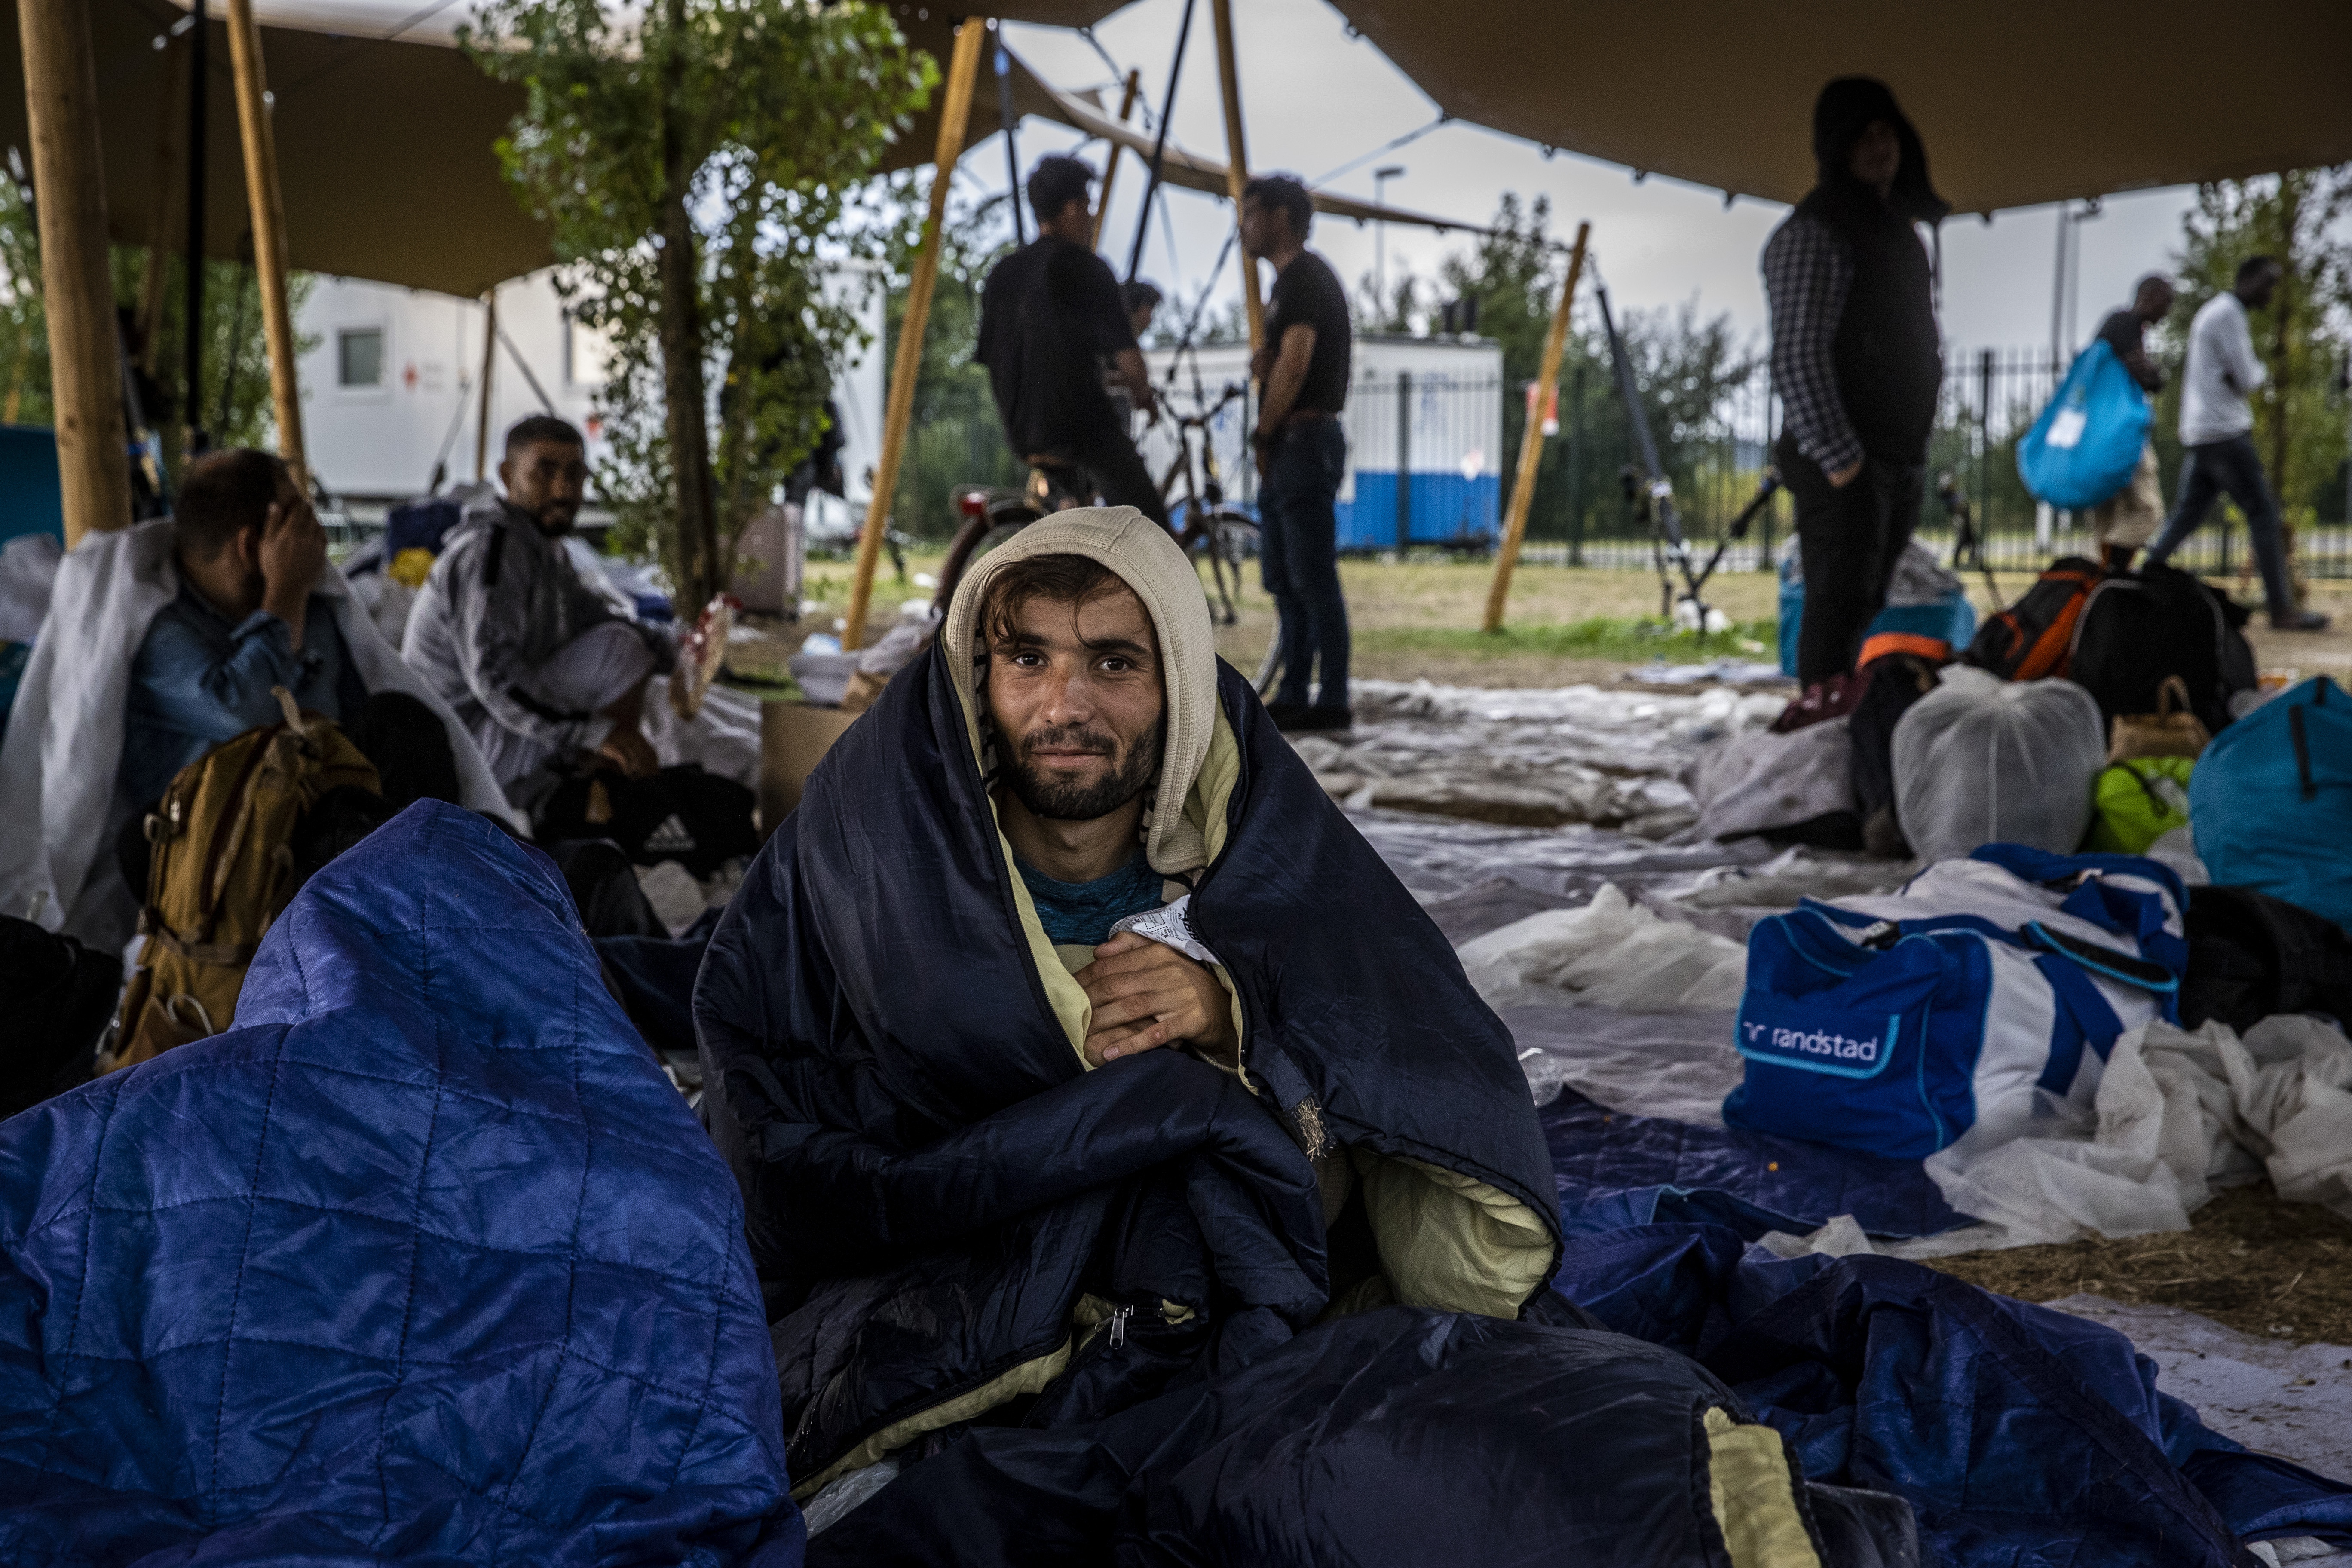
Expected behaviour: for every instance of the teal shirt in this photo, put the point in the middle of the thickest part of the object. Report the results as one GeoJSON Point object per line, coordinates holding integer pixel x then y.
{"type": "Point", "coordinates": [1080, 914]}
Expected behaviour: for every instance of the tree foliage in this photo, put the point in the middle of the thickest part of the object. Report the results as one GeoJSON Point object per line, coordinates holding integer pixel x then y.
{"type": "Point", "coordinates": [1687, 370]}
{"type": "Point", "coordinates": [233, 406]}
{"type": "Point", "coordinates": [784, 108]}
{"type": "Point", "coordinates": [2301, 337]}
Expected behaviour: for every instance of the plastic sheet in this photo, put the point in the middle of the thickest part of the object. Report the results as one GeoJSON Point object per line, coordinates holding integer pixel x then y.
{"type": "Point", "coordinates": [2179, 1114]}
{"type": "Point", "coordinates": [1611, 953]}
{"type": "Point", "coordinates": [28, 570]}
{"type": "Point", "coordinates": [1540, 758]}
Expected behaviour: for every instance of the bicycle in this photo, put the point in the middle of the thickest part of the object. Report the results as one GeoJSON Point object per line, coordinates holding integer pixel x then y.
{"type": "Point", "coordinates": [1227, 535]}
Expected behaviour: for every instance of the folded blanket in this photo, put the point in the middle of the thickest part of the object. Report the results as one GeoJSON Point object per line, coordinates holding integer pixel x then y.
{"type": "Point", "coordinates": [425, 1261]}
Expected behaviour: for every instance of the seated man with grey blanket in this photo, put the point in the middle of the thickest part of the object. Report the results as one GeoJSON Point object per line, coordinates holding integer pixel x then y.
{"type": "Point", "coordinates": [1126, 1157]}
{"type": "Point", "coordinates": [540, 668]}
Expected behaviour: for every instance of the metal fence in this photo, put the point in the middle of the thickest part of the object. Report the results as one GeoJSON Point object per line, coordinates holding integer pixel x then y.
{"type": "Point", "coordinates": [1458, 437]}
{"type": "Point", "coordinates": [1991, 399]}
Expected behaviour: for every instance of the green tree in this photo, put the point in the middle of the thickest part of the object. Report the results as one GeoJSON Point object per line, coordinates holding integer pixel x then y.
{"type": "Point", "coordinates": [1687, 370]}
{"type": "Point", "coordinates": [2302, 336]}
{"type": "Point", "coordinates": [955, 438]}
{"type": "Point", "coordinates": [233, 406]}
{"type": "Point", "coordinates": [705, 166]}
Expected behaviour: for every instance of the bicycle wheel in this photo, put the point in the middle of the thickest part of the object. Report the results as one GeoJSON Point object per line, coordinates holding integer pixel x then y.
{"type": "Point", "coordinates": [1269, 668]}
{"type": "Point", "coordinates": [1232, 540]}
{"type": "Point", "coordinates": [973, 540]}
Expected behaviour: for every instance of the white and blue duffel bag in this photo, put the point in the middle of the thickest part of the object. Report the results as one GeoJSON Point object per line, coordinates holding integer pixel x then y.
{"type": "Point", "coordinates": [1894, 1022]}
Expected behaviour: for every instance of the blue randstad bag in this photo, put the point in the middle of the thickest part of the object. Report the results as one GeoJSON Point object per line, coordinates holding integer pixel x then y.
{"type": "Point", "coordinates": [2271, 802]}
{"type": "Point", "coordinates": [2088, 440]}
{"type": "Point", "coordinates": [1894, 1023]}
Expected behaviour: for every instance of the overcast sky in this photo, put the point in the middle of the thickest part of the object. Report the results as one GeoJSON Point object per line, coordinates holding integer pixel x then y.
{"type": "Point", "coordinates": [1316, 99]}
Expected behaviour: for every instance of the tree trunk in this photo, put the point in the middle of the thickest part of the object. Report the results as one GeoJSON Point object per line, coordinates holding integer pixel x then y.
{"type": "Point", "coordinates": [700, 573]}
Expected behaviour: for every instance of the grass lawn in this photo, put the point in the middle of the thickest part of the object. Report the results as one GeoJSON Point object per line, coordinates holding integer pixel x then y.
{"type": "Point", "coordinates": [1419, 619]}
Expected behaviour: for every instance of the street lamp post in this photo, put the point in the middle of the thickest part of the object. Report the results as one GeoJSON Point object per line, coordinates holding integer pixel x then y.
{"type": "Point", "coordinates": [1381, 178]}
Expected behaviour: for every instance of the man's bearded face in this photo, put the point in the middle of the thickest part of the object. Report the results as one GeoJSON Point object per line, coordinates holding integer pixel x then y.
{"type": "Point", "coordinates": [1076, 694]}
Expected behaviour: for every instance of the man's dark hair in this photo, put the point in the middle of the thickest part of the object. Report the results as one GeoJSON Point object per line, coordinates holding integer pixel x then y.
{"type": "Point", "coordinates": [1285, 193]}
{"type": "Point", "coordinates": [2254, 264]}
{"type": "Point", "coordinates": [1056, 183]}
{"type": "Point", "coordinates": [1064, 579]}
{"type": "Point", "coordinates": [544, 428]}
{"type": "Point", "coordinates": [222, 494]}
{"type": "Point", "coordinates": [1135, 294]}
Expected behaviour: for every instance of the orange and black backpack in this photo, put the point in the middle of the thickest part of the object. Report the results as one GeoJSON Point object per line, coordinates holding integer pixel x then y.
{"type": "Point", "coordinates": [2035, 637]}
{"type": "Point", "coordinates": [221, 872]}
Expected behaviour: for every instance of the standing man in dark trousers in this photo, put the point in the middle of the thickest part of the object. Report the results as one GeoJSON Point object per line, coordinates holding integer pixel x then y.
{"type": "Point", "coordinates": [1302, 453]}
{"type": "Point", "coordinates": [1053, 330]}
{"type": "Point", "coordinates": [1858, 362]}
{"type": "Point", "coordinates": [2217, 427]}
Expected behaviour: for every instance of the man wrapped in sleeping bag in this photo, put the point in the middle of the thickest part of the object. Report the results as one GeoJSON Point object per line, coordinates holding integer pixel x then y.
{"type": "Point", "coordinates": [1221, 1237]}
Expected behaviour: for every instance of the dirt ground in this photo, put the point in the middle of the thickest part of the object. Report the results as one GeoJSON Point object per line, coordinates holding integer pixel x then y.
{"type": "Point", "coordinates": [2260, 1265]}
{"type": "Point", "coordinates": [1393, 606]}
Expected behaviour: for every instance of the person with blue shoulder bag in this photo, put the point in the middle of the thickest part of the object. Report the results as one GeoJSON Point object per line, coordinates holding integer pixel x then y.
{"type": "Point", "coordinates": [2086, 450]}
{"type": "Point", "coordinates": [2127, 520]}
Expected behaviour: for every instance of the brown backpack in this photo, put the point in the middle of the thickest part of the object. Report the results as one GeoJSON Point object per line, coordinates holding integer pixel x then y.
{"type": "Point", "coordinates": [223, 868]}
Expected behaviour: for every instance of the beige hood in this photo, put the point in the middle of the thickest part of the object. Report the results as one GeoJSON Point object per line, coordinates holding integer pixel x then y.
{"type": "Point", "coordinates": [1151, 562]}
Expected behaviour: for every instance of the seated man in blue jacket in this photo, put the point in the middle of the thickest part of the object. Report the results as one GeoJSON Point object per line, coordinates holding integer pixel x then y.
{"type": "Point", "coordinates": [247, 619]}
{"type": "Point", "coordinates": [249, 551]}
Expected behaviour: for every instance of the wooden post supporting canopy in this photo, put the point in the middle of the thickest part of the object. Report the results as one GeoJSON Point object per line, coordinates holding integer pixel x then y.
{"type": "Point", "coordinates": [77, 284]}
{"type": "Point", "coordinates": [1111, 165]}
{"type": "Point", "coordinates": [1236, 160]}
{"type": "Point", "coordinates": [1523, 489]}
{"type": "Point", "coordinates": [269, 231]}
{"type": "Point", "coordinates": [908, 362]}
{"type": "Point", "coordinates": [490, 368]}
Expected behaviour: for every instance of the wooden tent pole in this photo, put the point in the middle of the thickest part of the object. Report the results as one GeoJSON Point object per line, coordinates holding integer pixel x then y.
{"type": "Point", "coordinates": [77, 284]}
{"type": "Point", "coordinates": [490, 368]}
{"type": "Point", "coordinates": [1236, 160]}
{"type": "Point", "coordinates": [1523, 489]}
{"type": "Point", "coordinates": [1111, 165]}
{"type": "Point", "coordinates": [964, 67]}
{"type": "Point", "coordinates": [269, 212]}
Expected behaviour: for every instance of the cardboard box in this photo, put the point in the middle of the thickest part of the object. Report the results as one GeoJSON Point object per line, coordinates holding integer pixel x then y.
{"type": "Point", "coordinates": [793, 736]}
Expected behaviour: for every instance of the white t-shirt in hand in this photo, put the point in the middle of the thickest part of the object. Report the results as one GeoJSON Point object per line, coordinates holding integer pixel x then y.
{"type": "Point", "coordinates": [2219, 342]}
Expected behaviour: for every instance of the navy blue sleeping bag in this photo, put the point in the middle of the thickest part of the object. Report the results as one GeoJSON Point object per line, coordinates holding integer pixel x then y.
{"type": "Point", "coordinates": [423, 1261]}
{"type": "Point", "coordinates": [1093, 1313]}
{"type": "Point", "coordinates": [2022, 1436]}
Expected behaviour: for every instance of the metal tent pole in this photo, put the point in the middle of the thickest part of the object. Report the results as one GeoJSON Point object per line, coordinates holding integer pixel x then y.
{"type": "Point", "coordinates": [1159, 143]}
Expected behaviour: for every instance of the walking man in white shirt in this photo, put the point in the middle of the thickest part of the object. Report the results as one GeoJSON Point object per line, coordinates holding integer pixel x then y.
{"type": "Point", "coordinates": [2216, 427]}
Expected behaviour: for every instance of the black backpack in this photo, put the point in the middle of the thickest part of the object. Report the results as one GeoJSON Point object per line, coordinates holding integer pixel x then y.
{"type": "Point", "coordinates": [680, 813]}
{"type": "Point", "coordinates": [2139, 627]}
{"type": "Point", "coordinates": [61, 997]}
{"type": "Point", "coordinates": [1896, 680]}
{"type": "Point", "coordinates": [2250, 955]}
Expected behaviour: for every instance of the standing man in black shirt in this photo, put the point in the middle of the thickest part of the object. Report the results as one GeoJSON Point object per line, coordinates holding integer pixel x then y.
{"type": "Point", "coordinates": [2129, 519]}
{"type": "Point", "coordinates": [1053, 326]}
{"type": "Point", "coordinates": [1302, 452]}
{"type": "Point", "coordinates": [1856, 361]}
